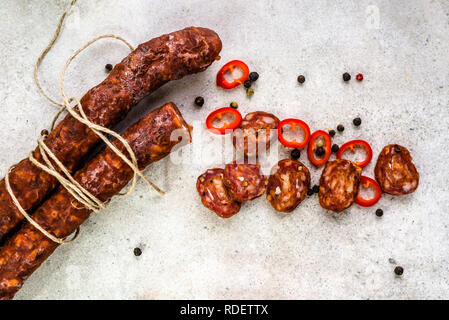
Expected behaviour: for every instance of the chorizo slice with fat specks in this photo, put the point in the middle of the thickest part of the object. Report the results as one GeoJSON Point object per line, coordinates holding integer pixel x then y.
{"type": "Point", "coordinates": [244, 181]}
{"type": "Point", "coordinates": [255, 132]}
{"type": "Point", "coordinates": [151, 139]}
{"type": "Point", "coordinates": [214, 194]}
{"type": "Point", "coordinates": [395, 170]}
{"type": "Point", "coordinates": [152, 64]}
{"type": "Point", "coordinates": [287, 185]}
{"type": "Point", "coordinates": [339, 185]}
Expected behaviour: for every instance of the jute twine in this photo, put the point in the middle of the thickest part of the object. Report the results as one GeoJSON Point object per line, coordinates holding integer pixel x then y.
{"type": "Point", "coordinates": [52, 165]}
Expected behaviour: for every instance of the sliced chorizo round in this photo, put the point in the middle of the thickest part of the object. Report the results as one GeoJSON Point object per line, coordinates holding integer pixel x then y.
{"type": "Point", "coordinates": [395, 170]}
{"type": "Point", "coordinates": [339, 185]}
{"type": "Point", "coordinates": [254, 132]}
{"type": "Point", "coordinates": [214, 194]}
{"type": "Point", "coordinates": [287, 185]}
{"type": "Point", "coordinates": [244, 181]}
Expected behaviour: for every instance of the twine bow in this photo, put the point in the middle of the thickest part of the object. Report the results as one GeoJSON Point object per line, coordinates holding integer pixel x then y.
{"type": "Point", "coordinates": [52, 165]}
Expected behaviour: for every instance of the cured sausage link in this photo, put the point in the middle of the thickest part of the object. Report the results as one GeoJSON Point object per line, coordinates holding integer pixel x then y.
{"type": "Point", "coordinates": [152, 64]}
{"type": "Point", "coordinates": [104, 176]}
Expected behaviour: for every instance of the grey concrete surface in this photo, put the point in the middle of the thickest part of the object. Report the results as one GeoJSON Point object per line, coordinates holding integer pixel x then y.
{"type": "Point", "coordinates": [402, 48]}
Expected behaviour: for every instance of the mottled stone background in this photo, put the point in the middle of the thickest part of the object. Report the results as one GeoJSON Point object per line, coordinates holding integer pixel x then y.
{"type": "Point", "coordinates": [402, 48]}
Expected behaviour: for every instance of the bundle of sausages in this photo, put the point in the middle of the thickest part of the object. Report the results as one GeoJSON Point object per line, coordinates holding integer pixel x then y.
{"type": "Point", "coordinates": [152, 64]}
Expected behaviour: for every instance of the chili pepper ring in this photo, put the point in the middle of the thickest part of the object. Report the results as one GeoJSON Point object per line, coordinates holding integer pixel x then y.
{"type": "Point", "coordinates": [366, 182]}
{"type": "Point", "coordinates": [294, 123]}
{"type": "Point", "coordinates": [218, 114]}
{"type": "Point", "coordinates": [326, 147]}
{"type": "Point", "coordinates": [221, 80]}
{"type": "Point", "coordinates": [351, 145]}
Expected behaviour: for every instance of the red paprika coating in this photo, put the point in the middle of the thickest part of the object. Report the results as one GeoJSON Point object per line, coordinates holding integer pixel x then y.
{"type": "Point", "coordinates": [152, 64]}
{"type": "Point", "coordinates": [104, 176]}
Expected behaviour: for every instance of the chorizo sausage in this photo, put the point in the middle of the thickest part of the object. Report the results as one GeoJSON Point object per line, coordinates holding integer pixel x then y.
{"type": "Point", "coordinates": [214, 194]}
{"type": "Point", "coordinates": [244, 181]}
{"type": "Point", "coordinates": [255, 127]}
{"type": "Point", "coordinates": [395, 170]}
{"type": "Point", "coordinates": [339, 185]}
{"type": "Point", "coordinates": [103, 176]}
{"type": "Point", "coordinates": [151, 65]}
{"type": "Point", "coordinates": [287, 185]}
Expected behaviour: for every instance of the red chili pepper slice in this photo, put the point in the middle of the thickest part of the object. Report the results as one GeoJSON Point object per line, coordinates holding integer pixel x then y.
{"type": "Point", "coordinates": [294, 123]}
{"type": "Point", "coordinates": [327, 146]}
{"type": "Point", "coordinates": [366, 183]}
{"type": "Point", "coordinates": [218, 114]}
{"type": "Point", "coordinates": [351, 145]}
{"type": "Point", "coordinates": [230, 66]}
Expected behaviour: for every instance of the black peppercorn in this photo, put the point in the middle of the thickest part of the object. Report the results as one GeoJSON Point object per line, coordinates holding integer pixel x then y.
{"type": "Point", "coordinates": [301, 79]}
{"type": "Point", "coordinates": [247, 84]}
{"type": "Point", "coordinates": [199, 101]}
{"type": "Point", "coordinates": [357, 122]}
{"type": "Point", "coordinates": [340, 128]}
{"type": "Point", "coordinates": [335, 148]}
{"type": "Point", "coordinates": [316, 188]}
{"type": "Point", "coordinates": [295, 154]}
{"type": "Point", "coordinates": [253, 76]}
{"type": "Point", "coordinates": [397, 148]}
{"type": "Point", "coordinates": [137, 252]}
{"type": "Point", "coordinates": [346, 76]}
{"type": "Point", "coordinates": [399, 270]}
{"type": "Point", "coordinates": [332, 133]}
{"type": "Point", "coordinates": [310, 192]}
{"type": "Point", "coordinates": [108, 67]}
{"type": "Point", "coordinates": [379, 212]}
{"type": "Point", "coordinates": [320, 151]}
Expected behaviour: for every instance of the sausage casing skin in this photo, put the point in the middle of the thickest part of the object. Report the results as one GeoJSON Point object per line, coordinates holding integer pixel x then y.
{"type": "Point", "coordinates": [244, 181]}
{"type": "Point", "coordinates": [339, 185]}
{"type": "Point", "coordinates": [287, 185]}
{"type": "Point", "coordinates": [151, 65]}
{"type": "Point", "coordinates": [395, 170]}
{"type": "Point", "coordinates": [214, 195]}
{"type": "Point", "coordinates": [103, 176]}
{"type": "Point", "coordinates": [255, 130]}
